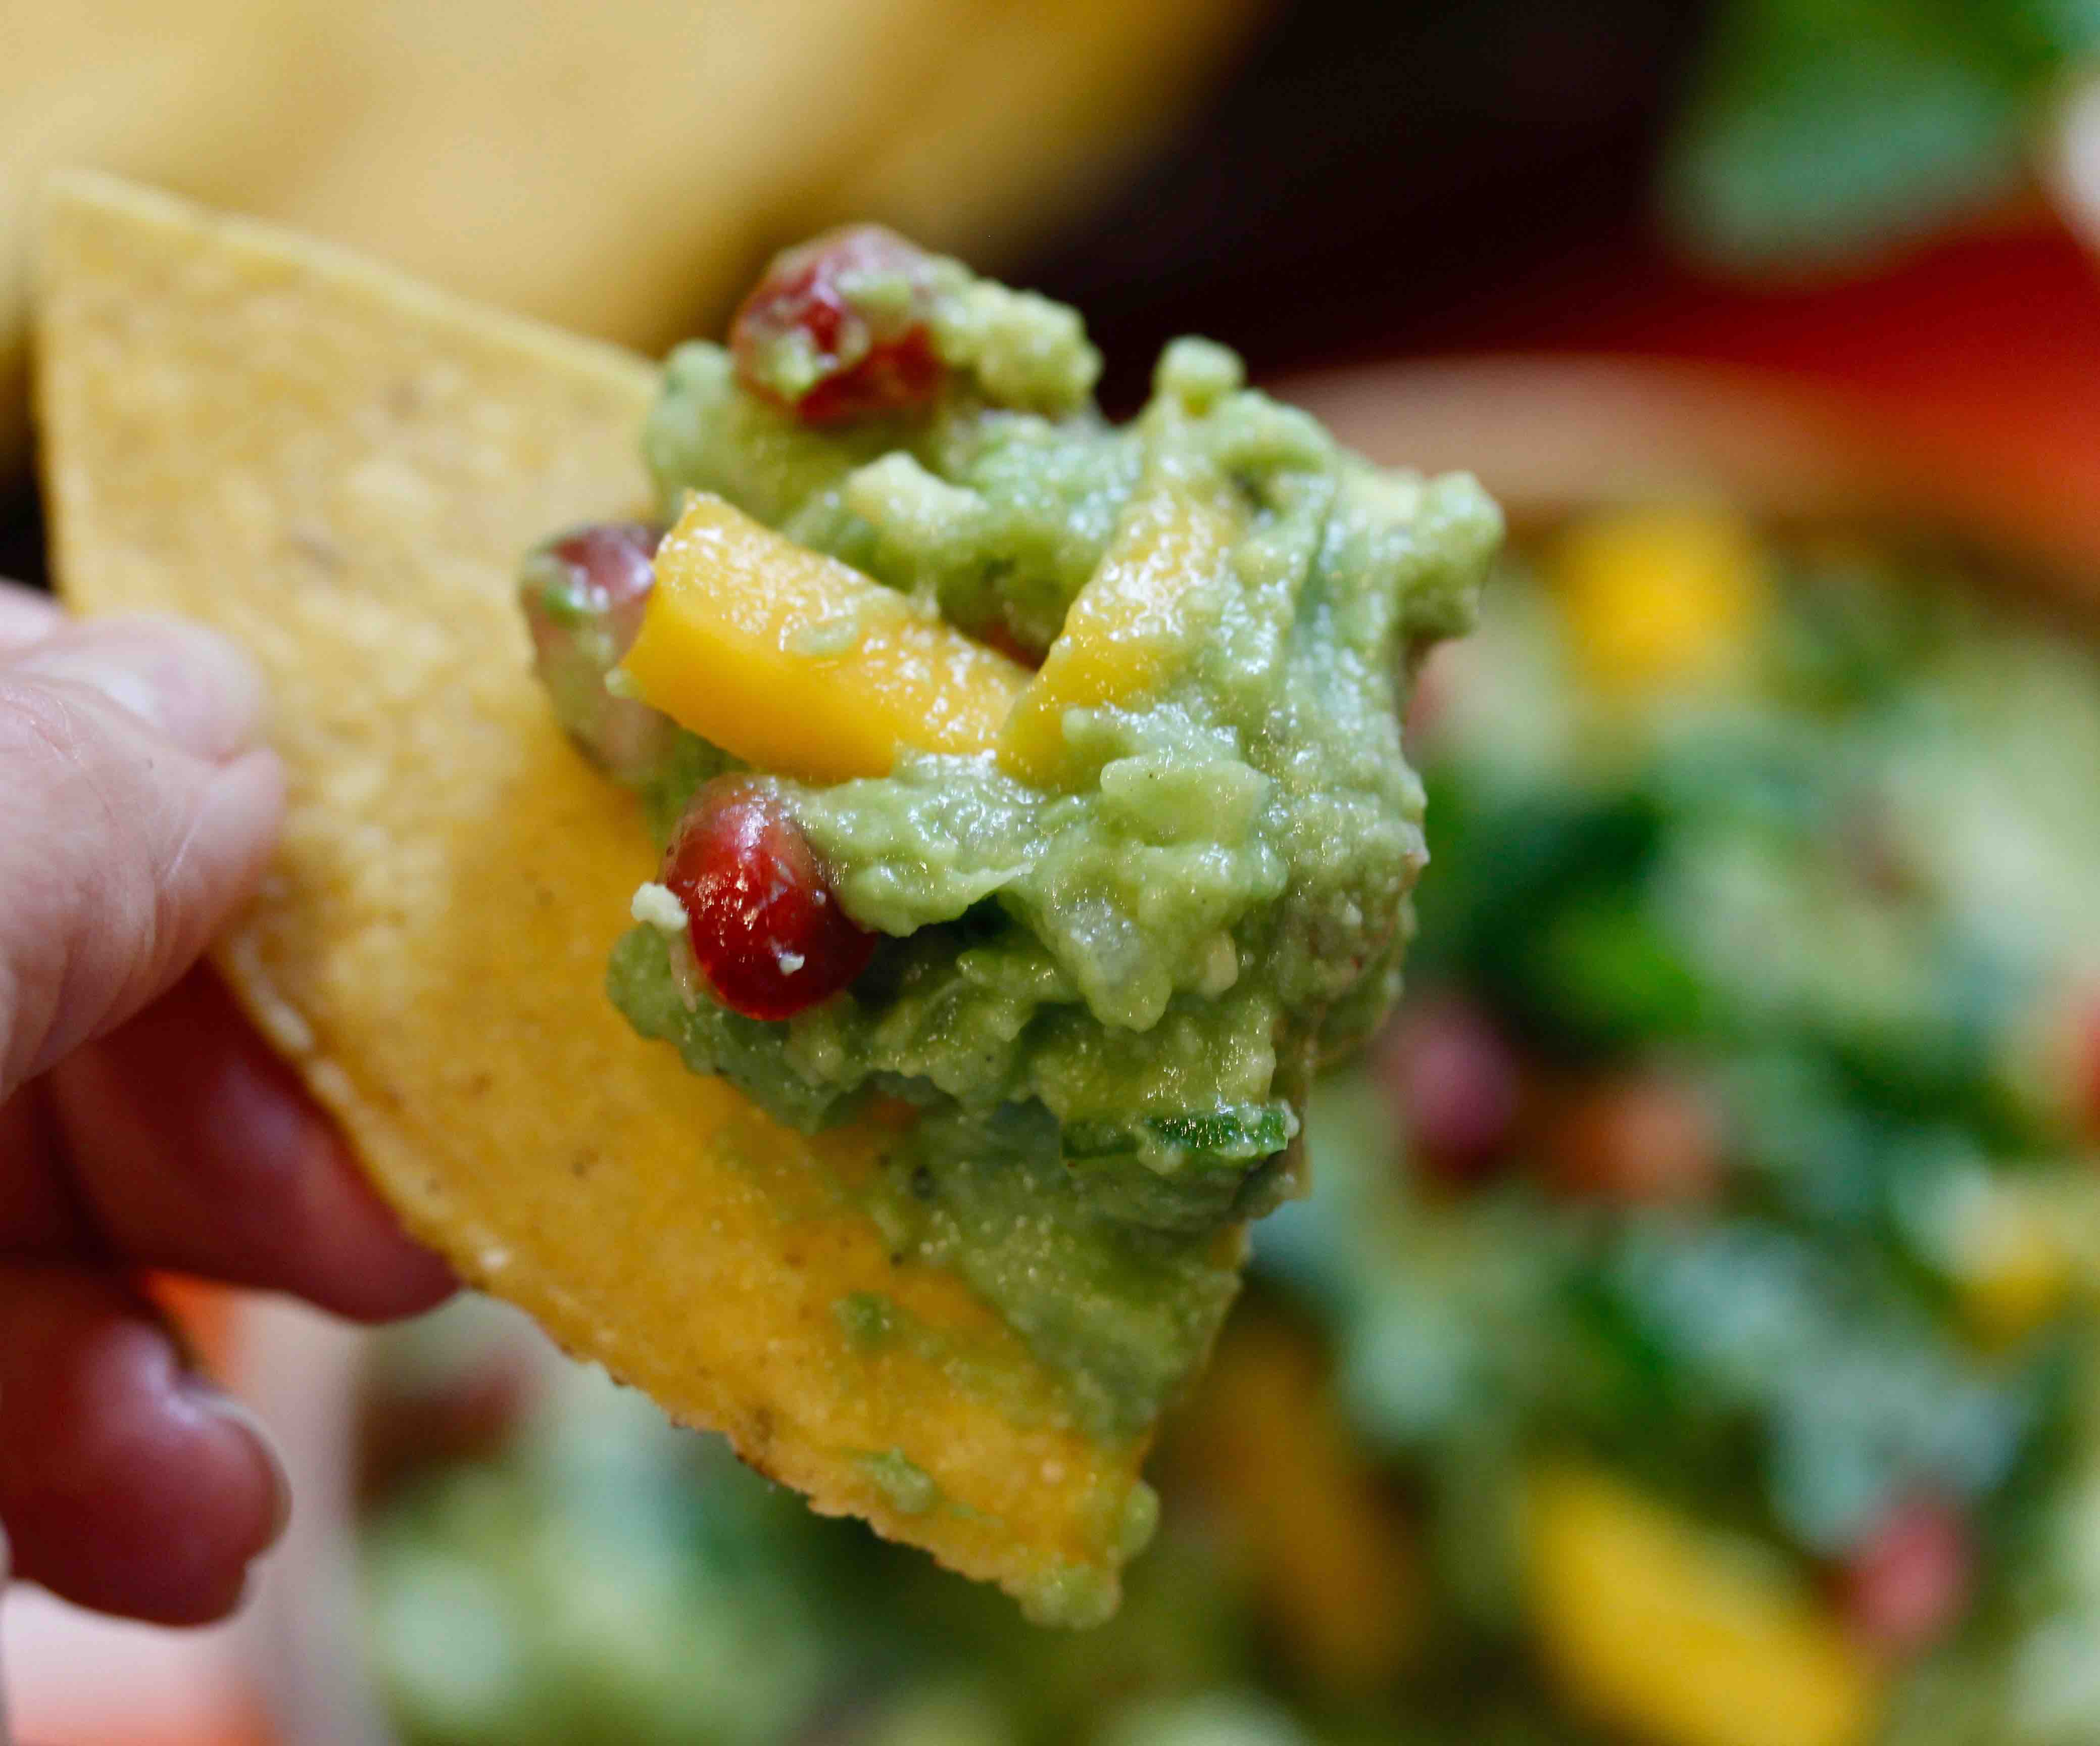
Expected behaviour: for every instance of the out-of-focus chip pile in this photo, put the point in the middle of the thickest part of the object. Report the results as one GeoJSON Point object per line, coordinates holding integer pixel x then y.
{"type": "Point", "coordinates": [620, 169]}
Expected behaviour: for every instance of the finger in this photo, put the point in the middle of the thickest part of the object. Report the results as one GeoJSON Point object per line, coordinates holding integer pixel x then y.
{"type": "Point", "coordinates": [125, 1484]}
{"type": "Point", "coordinates": [26, 616]}
{"type": "Point", "coordinates": [6, 1561]}
{"type": "Point", "coordinates": [193, 1148]}
{"type": "Point", "coordinates": [132, 818]}
{"type": "Point", "coordinates": [38, 1214]}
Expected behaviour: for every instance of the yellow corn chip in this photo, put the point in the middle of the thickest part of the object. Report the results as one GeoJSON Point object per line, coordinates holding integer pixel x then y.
{"type": "Point", "coordinates": [340, 468]}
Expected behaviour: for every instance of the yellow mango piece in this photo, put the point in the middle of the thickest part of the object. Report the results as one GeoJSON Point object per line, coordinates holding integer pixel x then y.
{"type": "Point", "coordinates": [1264, 1444]}
{"type": "Point", "coordinates": [2018, 1269]}
{"type": "Point", "coordinates": [798, 663]}
{"type": "Point", "coordinates": [1661, 1630]}
{"type": "Point", "coordinates": [1655, 597]}
{"type": "Point", "coordinates": [1123, 630]}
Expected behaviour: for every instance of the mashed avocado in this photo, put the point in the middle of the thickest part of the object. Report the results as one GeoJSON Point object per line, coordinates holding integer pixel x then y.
{"type": "Point", "coordinates": [1690, 1338]}
{"type": "Point", "coordinates": [1084, 971]}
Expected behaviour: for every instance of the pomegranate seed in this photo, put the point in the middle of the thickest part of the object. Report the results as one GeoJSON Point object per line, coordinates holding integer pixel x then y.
{"type": "Point", "coordinates": [768, 933]}
{"type": "Point", "coordinates": [583, 595]}
{"type": "Point", "coordinates": [1455, 1087]}
{"type": "Point", "coordinates": [605, 573]}
{"type": "Point", "coordinates": [1907, 1584]}
{"type": "Point", "coordinates": [2085, 1070]}
{"type": "Point", "coordinates": [860, 355]}
{"type": "Point", "coordinates": [1645, 1138]}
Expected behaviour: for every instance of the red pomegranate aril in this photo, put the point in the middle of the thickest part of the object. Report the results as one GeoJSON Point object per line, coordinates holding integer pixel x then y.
{"type": "Point", "coordinates": [2085, 1069]}
{"type": "Point", "coordinates": [1455, 1087]}
{"type": "Point", "coordinates": [766, 927]}
{"type": "Point", "coordinates": [1907, 1584]}
{"type": "Point", "coordinates": [892, 377]}
{"type": "Point", "coordinates": [1648, 1137]}
{"type": "Point", "coordinates": [870, 357]}
{"type": "Point", "coordinates": [584, 594]}
{"type": "Point", "coordinates": [608, 570]}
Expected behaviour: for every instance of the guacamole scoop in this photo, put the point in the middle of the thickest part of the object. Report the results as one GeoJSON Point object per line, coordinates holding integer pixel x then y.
{"type": "Point", "coordinates": [1030, 787]}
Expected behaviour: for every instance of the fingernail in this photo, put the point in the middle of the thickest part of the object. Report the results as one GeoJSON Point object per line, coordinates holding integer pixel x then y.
{"type": "Point", "coordinates": [190, 683]}
{"type": "Point", "coordinates": [231, 1411]}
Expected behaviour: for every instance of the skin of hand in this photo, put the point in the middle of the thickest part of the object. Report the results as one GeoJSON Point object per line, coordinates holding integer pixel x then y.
{"type": "Point", "coordinates": [143, 1124]}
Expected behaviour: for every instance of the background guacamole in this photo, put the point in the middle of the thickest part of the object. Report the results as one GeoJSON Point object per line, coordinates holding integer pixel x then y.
{"type": "Point", "coordinates": [1689, 1338]}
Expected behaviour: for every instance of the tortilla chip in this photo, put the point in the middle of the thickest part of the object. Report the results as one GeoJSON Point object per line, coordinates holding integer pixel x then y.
{"type": "Point", "coordinates": [340, 468]}
{"type": "Point", "coordinates": [510, 149]}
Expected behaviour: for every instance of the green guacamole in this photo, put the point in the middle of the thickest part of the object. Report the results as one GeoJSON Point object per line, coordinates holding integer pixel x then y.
{"type": "Point", "coordinates": [1737, 1145]}
{"type": "Point", "coordinates": [1101, 1006]}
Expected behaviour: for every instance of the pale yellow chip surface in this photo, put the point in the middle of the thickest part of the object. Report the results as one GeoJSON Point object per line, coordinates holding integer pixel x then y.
{"type": "Point", "coordinates": [624, 169]}
{"type": "Point", "coordinates": [340, 468]}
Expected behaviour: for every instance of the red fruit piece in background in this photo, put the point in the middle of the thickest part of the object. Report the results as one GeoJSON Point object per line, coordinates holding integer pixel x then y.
{"type": "Point", "coordinates": [767, 931]}
{"type": "Point", "coordinates": [415, 1418]}
{"type": "Point", "coordinates": [1455, 1086]}
{"type": "Point", "coordinates": [1436, 680]}
{"type": "Point", "coordinates": [1644, 1137]}
{"type": "Point", "coordinates": [837, 328]}
{"type": "Point", "coordinates": [1907, 1585]}
{"type": "Point", "coordinates": [2085, 1068]}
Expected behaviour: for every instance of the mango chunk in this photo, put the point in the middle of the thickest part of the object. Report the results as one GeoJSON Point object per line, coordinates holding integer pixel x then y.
{"type": "Point", "coordinates": [1658, 598]}
{"type": "Point", "coordinates": [798, 663]}
{"type": "Point", "coordinates": [1662, 1631]}
{"type": "Point", "coordinates": [2018, 1265]}
{"type": "Point", "coordinates": [1121, 633]}
{"type": "Point", "coordinates": [1264, 1442]}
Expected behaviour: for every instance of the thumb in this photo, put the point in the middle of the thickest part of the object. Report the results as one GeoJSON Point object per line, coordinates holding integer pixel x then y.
{"type": "Point", "coordinates": [136, 810]}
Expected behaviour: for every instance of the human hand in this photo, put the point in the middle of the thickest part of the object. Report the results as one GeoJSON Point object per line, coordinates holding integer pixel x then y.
{"type": "Point", "coordinates": [143, 1123]}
